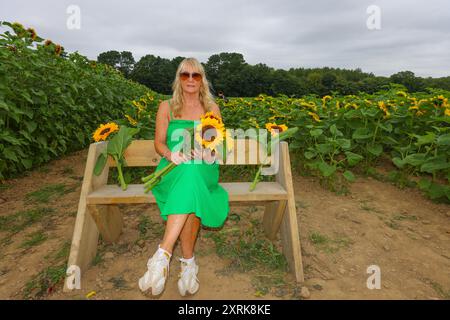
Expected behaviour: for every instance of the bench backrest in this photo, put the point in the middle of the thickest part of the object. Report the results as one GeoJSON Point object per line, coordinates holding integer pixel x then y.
{"type": "Point", "coordinates": [141, 153]}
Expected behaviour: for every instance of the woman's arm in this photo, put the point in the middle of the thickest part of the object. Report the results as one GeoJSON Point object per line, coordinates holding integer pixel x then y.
{"type": "Point", "coordinates": [215, 109]}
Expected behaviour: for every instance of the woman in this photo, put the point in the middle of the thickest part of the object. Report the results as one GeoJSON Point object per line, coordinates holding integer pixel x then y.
{"type": "Point", "coordinates": [189, 195]}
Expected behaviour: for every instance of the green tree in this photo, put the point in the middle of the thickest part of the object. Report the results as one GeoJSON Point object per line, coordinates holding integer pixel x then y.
{"type": "Point", "coordinates": [122, 61]}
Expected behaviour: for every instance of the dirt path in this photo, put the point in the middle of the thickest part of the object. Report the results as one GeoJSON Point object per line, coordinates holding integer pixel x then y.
{"type": "Point", "coordinates": [405, 235]}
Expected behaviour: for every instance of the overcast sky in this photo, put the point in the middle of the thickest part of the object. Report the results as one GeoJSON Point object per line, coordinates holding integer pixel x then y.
{"type": "Point", "coordinates": [414, 34]}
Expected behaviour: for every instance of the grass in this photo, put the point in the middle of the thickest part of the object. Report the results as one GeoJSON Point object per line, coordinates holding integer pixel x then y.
{"type": "Point", "coordinates": [119, 282]}
{"type": "Point", "coordinates": [400, 217]}
{"type": "Point", "coordinates": [34, 239]}
{"type": "Point", "coordinates": [393, 224]}
{"type": "Point", "coordinates": [62, 253]}
{"type": "Point", "coordinates": [44, 282]}
{"type": "Point", "coordinates": [250, 252]}
{"type": "Point", "coordinates": [68, 170]}
{"type": "Point", "coordinates": [149, 229]}
{"type": "Point", "coordinates": [23, 219]}
{"type": "Point", "coordinates": [328, 245]}
{"type": "Point", "coordinates": [48, 192]}
{"type": "Point", "coordinates": [440, 291]}
{"type": "Point", "coordinates": [48, 279]}
{"type": "Point", "coordinates": [4, 186]}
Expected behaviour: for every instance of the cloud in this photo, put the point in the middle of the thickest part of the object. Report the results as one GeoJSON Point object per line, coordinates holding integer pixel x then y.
{"type": "Point", "coordinates": [281, 34]}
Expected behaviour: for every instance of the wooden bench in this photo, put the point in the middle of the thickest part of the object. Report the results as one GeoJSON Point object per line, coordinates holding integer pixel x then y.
{"type": "Point", "coordinates": [98, 212]}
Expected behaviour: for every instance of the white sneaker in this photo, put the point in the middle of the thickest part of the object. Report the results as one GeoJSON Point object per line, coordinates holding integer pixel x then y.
{"type": "Point", "coordinates": [188, 282]}
{"type": "Point", "coordinates": [156, 275]}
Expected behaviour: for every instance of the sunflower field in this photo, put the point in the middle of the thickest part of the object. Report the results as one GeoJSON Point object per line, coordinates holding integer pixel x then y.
{"type": "Point", "coordinates": [341, 137]}
{"type": "Point", "coordinates": [51, 101]}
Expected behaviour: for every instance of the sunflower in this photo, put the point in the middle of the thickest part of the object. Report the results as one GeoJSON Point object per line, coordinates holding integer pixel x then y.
{"type": "Point", "coordinates": [104, 131]}
{"type": "Point", "coordinates": [315, 116]}
{"type": "Point", "coordinates": [215, 129]}
{"type": "Point", "coordinates": [17, 25]}
{"type": "Point", "coordinates": [58, 49]}
{"type": "Point", "coordinates": [48, 42]}
{"type": "Point", "coordinates": [324, 100]}
{"type": "Point", "coordinates": [447, 112]}
{"type": "Point", "coordinates": [210, 115]}
{"type": "Point", "coordinates": [32, 32]}
{"type": "Point", "coordinates": [131, 120]}
{"type": "Point", "coordinates": [273, 126]}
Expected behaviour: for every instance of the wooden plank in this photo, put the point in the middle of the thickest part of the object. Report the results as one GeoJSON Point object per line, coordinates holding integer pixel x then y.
{"type": "Point", "coordinates": [142, 153]}
{"type": "Point", "coordinates": [85, 234]}
{"type": "Point", "coordinates": [237, 191]}
{"type": "Point", "coordinates": [289, 227]}
{"type": "Point", "coordinates": [109, 221]}
{"type": "Point", "coordinates": [273, 211]}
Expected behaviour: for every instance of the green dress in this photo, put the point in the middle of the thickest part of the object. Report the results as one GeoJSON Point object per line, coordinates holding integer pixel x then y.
{"type": "Point", "coordinates": [191, 187]}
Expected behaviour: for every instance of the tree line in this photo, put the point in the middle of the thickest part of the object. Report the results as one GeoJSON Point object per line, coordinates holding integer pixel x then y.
{"type": "Point", "coordinates": [231, 74]}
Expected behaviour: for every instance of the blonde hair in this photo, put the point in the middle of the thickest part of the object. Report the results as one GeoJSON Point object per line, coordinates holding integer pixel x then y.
{"type": "Point", "coordinates": [205, 96]}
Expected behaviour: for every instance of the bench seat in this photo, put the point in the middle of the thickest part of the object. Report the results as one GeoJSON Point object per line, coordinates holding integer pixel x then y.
{"type": "Point", "coordinates": [237, 191]}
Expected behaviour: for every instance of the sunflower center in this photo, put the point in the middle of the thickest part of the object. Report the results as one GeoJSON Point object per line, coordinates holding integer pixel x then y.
{"type": "Point", "coordinates": [209, 133]}
{"type": "Point", "coordinates": [105, 131]}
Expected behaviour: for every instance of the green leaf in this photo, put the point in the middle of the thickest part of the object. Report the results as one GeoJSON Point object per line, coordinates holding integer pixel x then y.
{"type": "Point", "coordinates": [444, 140]}
{"type": "Point", "coordinates": [349, 176]}
{"type": "Point", "coordinates": [10, 154]}
{"type": "Point", "coordinates": [415, 159]}
{"type": "Point", "coordinates": [310, 154]}
{"type": "Point", "coordinates": [426, 139]}
{"type": "Point", "coordinates": [424, 184]}
{"type": "Point", "coordinates": [335, 132]}
{"type": "Point", "coordinates": [31, 126]}
{"type": "Point", "coordinates": [376, 149]}
{"type": "Point", "coordinates": [362, 133]}
{"type": "Point", "coordinates": [326, 169]}
{"type": "Point", "coordinates": [386, 127]}
{"type": "Point", "coordinates": [27, 97]}
{"type": "Point", "coordinates": [100, 163]}
{"type": "Point", "coordinates": [344, 143]}
{"type": "Point", "coordinates": [27, 163]}
{"type": "Point", "coordinates": [435, 164]}
{"type": "Point", "coordinates": [121, 140]}
{"type": "Point", "coordinates": [316, 132]}
{"type": "Point", "coordinates": [353, 158]}
{"type": "Point", "coordinates": [436, 191]}
{"type": "Point", "coordinates": [324, 148]}
{"type": "Point", "coordinates": [398, 162]}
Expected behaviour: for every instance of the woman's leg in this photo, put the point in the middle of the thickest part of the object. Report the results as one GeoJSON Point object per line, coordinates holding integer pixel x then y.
{"type": "Point", "coordinates": [175, 223]}
{"type": "Point", "coordinates": [188, 236]}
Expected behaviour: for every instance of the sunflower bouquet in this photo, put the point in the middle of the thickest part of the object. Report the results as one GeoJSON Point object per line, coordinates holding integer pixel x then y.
{"type": "Point", "coordinates": [279, 133]}
{"type": "Point", "coordinates": [118, 141]}
{"type": "Point", "coordinates": [210, 137]}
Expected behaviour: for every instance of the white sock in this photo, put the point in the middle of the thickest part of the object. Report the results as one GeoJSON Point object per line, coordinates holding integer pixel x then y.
{"type": "Point", "coordinates": [189, 261]}
{"type": "Point", "coordinates": [164, 251]}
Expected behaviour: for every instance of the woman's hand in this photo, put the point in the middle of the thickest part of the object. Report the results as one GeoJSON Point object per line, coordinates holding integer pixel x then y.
{"type": "Point", "coordinates": [196, 154]}
{"type": "Point", "coordinates": [178, 157]}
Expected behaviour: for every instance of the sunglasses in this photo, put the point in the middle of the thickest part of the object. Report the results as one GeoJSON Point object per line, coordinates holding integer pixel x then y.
{"type": "Point", "coordinates": [195, 75]}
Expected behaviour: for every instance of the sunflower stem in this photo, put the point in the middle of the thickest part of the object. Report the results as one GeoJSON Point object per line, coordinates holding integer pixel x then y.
{"type": "Point", "coordinates": [255, 181]}
{"type": "Point", "coordinates": [121, 179]}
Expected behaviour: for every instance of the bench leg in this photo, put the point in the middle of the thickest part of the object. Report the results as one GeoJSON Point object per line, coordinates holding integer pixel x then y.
{"type": "Point", "coordinates": [84, 245]}
{"type": "Point", "coordinates": [109, 221]}
{"type": "Point", "coordinates": [289, 228]}
{"type": "Point", "coordinates": [291, 241]}
{"type": "Point", "coordinates": [273, 216]}
{"type": "Point", "coordinates": [85, 233]}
